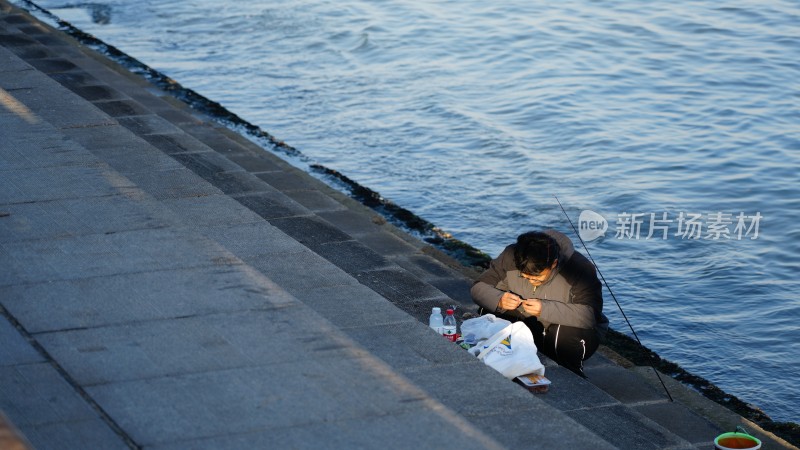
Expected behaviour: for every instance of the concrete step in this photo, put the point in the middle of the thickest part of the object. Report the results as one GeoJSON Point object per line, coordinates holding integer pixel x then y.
{"type": "Point", "coordinates": [614, 402]}
{"type": "Point", "coordinates": [124, 326]}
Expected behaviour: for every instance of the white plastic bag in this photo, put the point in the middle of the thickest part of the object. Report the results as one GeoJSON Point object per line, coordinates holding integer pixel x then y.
{"type": "Point", "coordinates": [483, 327]}
{"type": "Point", "coordinates": [511, 351]}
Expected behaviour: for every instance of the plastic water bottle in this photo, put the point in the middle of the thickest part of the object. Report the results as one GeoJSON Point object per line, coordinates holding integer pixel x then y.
{"type": "Point", "coordinates": [436, 321]}
{"type": "Point", "coordinates": [450, 326]}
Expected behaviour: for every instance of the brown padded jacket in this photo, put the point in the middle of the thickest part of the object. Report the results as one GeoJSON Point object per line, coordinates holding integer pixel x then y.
{"type": "Point", "coordinates": [572, 296]}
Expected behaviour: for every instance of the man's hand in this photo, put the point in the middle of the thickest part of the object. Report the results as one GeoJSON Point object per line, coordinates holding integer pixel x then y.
{"type": "Point", "coordinates": [532, 306]}
{"type": "Point", "coordinates": [509, 301]}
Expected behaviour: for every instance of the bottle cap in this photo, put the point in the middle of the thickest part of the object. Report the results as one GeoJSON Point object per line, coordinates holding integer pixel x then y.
{"type": "Point", "coordinates": [436, 310]}
{"type": "Point", "coordinates": [450, 311]}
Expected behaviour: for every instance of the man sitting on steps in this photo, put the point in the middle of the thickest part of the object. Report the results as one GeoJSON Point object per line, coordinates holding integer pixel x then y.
{"type": "Point", "coordinates": [544, 282]}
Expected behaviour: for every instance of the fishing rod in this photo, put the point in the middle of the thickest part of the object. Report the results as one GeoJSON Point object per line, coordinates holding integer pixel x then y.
{"type": "Point", "coordinates": [625, 316]}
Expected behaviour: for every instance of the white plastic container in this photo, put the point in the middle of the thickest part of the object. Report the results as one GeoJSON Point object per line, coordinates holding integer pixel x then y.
{"type": "Point", "coordinates": [436, 321]}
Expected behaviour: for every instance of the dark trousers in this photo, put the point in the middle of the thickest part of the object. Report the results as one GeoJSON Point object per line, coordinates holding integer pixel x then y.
{"type": "Point", "coordinates": [567, 346]}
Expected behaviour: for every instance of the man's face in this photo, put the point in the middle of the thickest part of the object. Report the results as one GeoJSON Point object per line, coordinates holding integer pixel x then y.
{"type": "Point", "coordinates": [541, 277]}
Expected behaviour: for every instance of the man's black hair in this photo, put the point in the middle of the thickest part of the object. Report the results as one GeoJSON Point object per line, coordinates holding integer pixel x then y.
{"type": "Point", "coordinates": [534, 252]}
